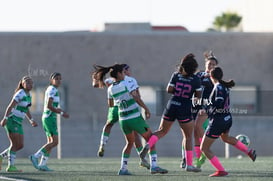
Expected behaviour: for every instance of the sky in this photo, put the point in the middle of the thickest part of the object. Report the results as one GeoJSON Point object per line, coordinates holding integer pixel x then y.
{"type": "Point", "coordinates": [86, 15]}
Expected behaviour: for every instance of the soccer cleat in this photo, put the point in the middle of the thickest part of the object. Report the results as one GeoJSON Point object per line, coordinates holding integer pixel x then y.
{"type": "Point", "coordinates": [183, 163]}
{"type": "Point", "coordinates": [144, 151]}
{"type": "Point", "coordinates": [252, 154]}
{"type": "Point", "coordinates": [200, 161]}
{"type": "Point", "coordinates": [190, 168]}
{"type": "Point", "coordinates": [34, 161]}
{"type": "Point", "coordinates": [219, 174]}
{"type": "Point", "coordinates": [12, 168]}
{"type": "Point", "coordinates": [101, 151]}
{"type": "Point", "coordinates": [124, 172]}
{"type": "Point", "coordinates": [144, 163]}
{"type": "Point", "coordinates": [158, 170]}
{"type": "Point", "coordinates": [1, 160]}
{"type": "Point", "coordinates": [44, 168]}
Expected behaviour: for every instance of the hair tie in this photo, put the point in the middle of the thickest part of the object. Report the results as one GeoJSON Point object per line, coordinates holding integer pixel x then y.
{"type": "Point", "coordinates": [126, 67]}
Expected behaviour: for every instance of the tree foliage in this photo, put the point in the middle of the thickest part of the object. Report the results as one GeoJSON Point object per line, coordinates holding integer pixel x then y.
{"type": "Point", "coordinates": [227, 21]}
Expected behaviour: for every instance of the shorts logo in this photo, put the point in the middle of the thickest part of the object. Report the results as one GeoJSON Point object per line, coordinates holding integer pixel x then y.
{"type": "Point", "coordinates": [227, 118]}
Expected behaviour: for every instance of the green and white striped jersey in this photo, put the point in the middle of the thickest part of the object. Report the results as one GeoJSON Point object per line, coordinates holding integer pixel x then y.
{"type": "Point", "coordinates": [131, 83]}
{"type": "Point", "coordinates": [120, 92]}
{"type": "Point", "coordinates": [51, 92]}
{"type": "Point", "coordinates": [23, 103]}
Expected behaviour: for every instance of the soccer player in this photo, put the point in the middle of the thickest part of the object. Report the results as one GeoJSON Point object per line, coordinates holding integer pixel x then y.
{"type": "Point", "coordinates": [130, 118]}
{"type": "Point", "coordinates": [15, 113]}
{"type": "Point", "coordinates": [201, 116]}
{"type": "Point", "coordinates": [220, 122]}
{"type": "Point", "coordinates": [113, 117]}
{"type": "Point", "coordinates": [183, 85]}
{"type": "Point", "coordinates": [49, 120]}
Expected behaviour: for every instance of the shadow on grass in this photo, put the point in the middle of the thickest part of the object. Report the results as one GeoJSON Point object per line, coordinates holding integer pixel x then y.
{"type": "Point", "coordinates": [16, 177]}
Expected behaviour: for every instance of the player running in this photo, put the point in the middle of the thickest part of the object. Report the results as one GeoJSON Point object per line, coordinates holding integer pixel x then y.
{"type": "Point", "coordinates": [220, 122]}
{"type": "Point", "coordinates": [183, 85]}
{"type": "Point", "coordinates": [201, 116]}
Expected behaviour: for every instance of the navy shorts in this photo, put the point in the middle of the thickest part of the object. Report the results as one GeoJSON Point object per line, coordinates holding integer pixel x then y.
{"type": "Point", "coordinates": [176, 111]}
{"type": "Point", "coordinates": [218, 125]}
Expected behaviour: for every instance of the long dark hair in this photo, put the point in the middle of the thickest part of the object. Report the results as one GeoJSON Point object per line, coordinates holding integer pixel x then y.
{"type": "Point", "coordinates": [20, 83]}
{"type": "Point", "coordinates": [100, 71]}
{"type": "Point", "coordinates": [188, 64]}
{"type": "Point", "coordinates": [217, 73]}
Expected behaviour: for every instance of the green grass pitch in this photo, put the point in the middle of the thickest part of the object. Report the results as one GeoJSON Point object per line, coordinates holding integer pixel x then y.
{"type": "Point", "coordinates": [105, 169]}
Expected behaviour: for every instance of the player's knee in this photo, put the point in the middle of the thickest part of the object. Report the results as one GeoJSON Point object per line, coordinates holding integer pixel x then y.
{"type": "Point", "coordinates": [225, 139]}
{"type": "Point", "coordinates": [109, 125]}
{"type": "Point", "coordinates": [230, 140]}
{"type": "Point", "coordinates": [130, 144]}
{"type": "Point", "coordinates": [20, 146]}
{"type": "Point", "coordinates": [163, 131]}
{"type": "Point", "coordinates": [54, 143]}
{"type": "Point", "coordinates": [147, 135]}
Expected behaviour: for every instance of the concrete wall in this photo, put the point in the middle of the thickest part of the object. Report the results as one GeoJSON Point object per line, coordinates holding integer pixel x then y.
{"type": "Point", "coordinates": [246, 58]}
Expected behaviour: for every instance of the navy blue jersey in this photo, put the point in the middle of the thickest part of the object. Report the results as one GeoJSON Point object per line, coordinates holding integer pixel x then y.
{"type": "Point", "coordinates": [206, 84]}
{"type": "Point", "coordinates": [180, 103]}
{"type": "Point", "coordinates": [184, 86]}
{"type": "Point", "coordinates": [219, 100]}
{"type": "Point", "coordinates": [219, 112]}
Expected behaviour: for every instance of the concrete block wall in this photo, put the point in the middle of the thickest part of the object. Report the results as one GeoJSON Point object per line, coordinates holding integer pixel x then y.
{"type": "Point", "coordinates": [245, 57]}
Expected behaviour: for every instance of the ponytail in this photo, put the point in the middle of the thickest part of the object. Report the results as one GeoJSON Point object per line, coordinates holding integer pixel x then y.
{"type": "Point", "coordinates": [98, 75]}
{"type": "Point", "coordinates": [217, 74]}
{"type": "Point", "coordinates": [100, 72]}
{"type": "Point", "coordinates": [228, 84]}
{"type": "Point", "coordinates": [19, 86]}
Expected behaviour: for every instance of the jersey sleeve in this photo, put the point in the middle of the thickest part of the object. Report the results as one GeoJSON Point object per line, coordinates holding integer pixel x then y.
{"type": "Point", "coordinates": [130, 83]}
{"type": "Point", "coordinates": [109, 95]}
{"type": "Point", "coordinates": [172, 80]}
{"type": "Point", "coordinates": [18, 96]}
{"type": "Point", "coordinates": [197, 85]}
{"type": "Point", "coordinates": [219, 96]}
{"type": "Point", "coordinates": [135, 83]}
{"type": "Point", "coordinates": [51, 91]}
